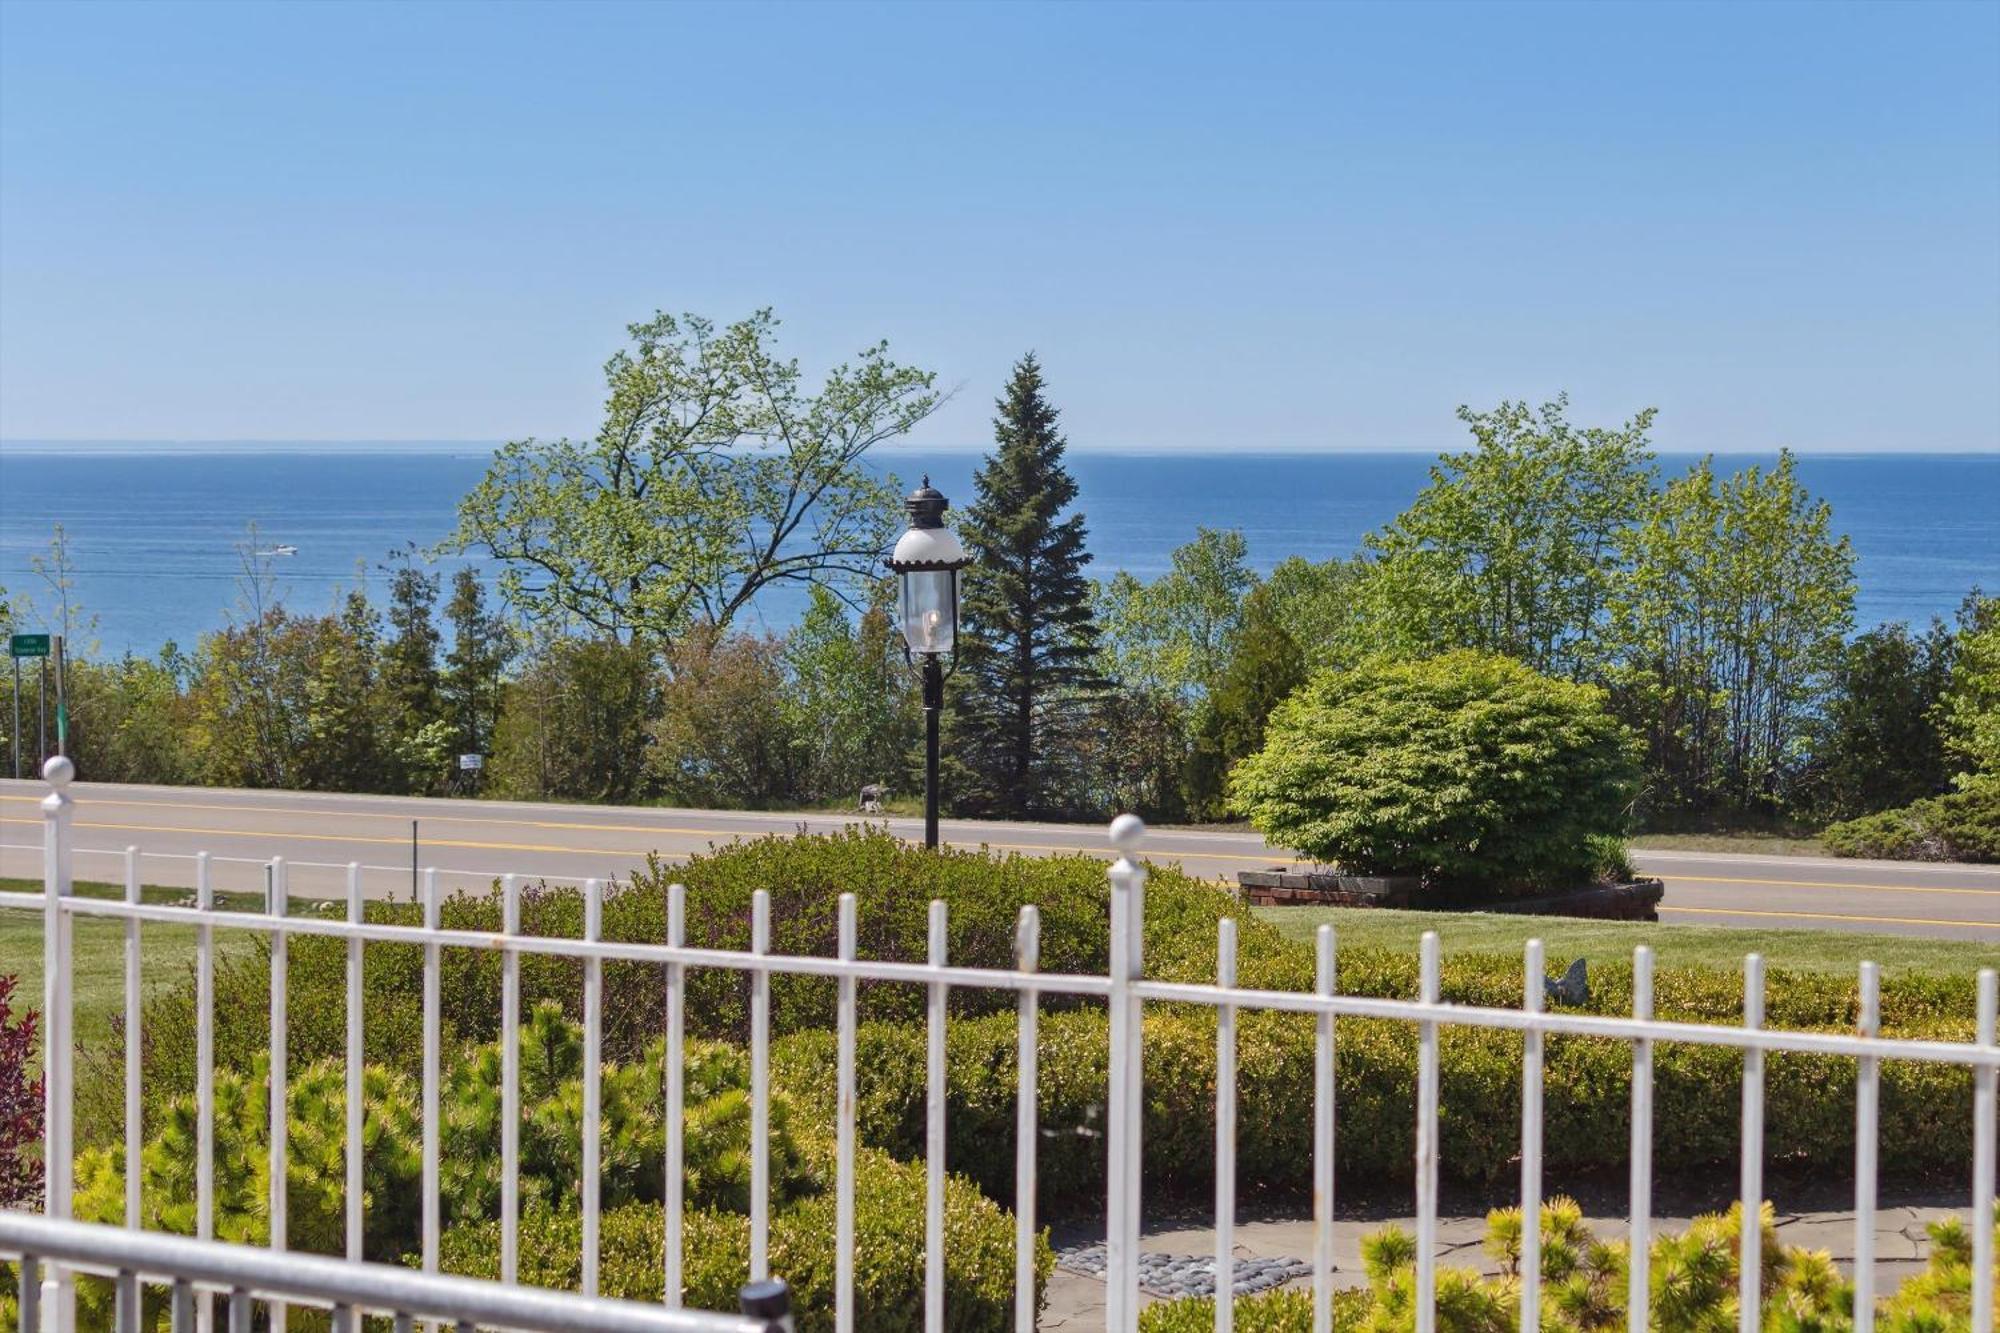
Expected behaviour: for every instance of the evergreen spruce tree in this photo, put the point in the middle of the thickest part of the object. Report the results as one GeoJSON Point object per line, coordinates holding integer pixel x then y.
{"type": "Point", "coordinates": [472, 682]}
{"type": "Point", "coordinates": [1027, 679]}
{"type": "Point", "coordinates": [1264, 669]}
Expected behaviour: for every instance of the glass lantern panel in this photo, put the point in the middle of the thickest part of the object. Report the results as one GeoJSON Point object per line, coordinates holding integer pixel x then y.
{"type": "Point", "coordinates": [929, 610]}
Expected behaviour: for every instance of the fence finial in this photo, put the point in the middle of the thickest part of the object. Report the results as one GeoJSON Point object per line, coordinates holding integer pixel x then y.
{"type": "Point", "coordinates": [58, 771]}
{"type": "Point", "coordinates": [1127, 832]}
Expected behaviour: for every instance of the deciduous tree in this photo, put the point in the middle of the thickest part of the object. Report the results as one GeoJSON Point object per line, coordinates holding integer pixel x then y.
{"type": "Point", "coordinates": [1970, 711]}
{"type": "Point", "coordinates": [1727, 623]}
{"type": "Point", "coordinates": [1176, 633]}
{"type": "Point", "coordinates": [847, 700]}
{"type": "Point", "coordinates": [574, 723]}
{"type": "Point", "coordinates": [715, 475]}
{"type": "Point", "coordinates": [1513, 547]}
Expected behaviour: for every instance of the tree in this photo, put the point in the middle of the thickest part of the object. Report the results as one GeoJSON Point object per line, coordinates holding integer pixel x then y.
{"type": "Point", "coordinates": [291, 702]}
{"type": "Point", "coordinates": [474, 667]}
{"type": "Point", "coordinates": [1176, 633]}
{"type": "Point", "coordinates": [1027, 649]}
{"type": "Point", "coordinates": [64, 615]}
{"type": "Point", "coordinates": [410, 654]}
{"type": "Point", "coordinates": [1727, 623]}
{"type": "Point", "coordinates": [1875, 741]}
{"type": "Point", "coordinates": [1263, 671]}
{"type": "Point", "coordinates": [131, 720]}
{"type": "Point", "coordinates": [1969, 713]}
{"type": "Point", "coordinates": [1137, 757]}
{"type": "Point", "coordinates": [1513, 546]}
{"type": "Point", "coordinates": [410, 680]}
{"type": "Point", "coordinates": [719, 738]}
{"type": "Point", "coordinates": [1471, 770]}
{"type": "Point", "coordinates": [714, 476]}
{"type": "Point", "coordinates": [847, 702]}
{"type": "Point", "coordinates": [573, 725]}
{"type": "Point", "coordinates": [1317, 606]}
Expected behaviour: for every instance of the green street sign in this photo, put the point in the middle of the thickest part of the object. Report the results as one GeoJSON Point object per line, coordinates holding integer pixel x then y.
{"type": "Point", "coordinates": [30, 645]}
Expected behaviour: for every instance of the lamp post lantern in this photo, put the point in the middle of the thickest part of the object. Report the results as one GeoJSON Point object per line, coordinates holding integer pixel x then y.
{"type": "Point", "coordinates": [926, 561]}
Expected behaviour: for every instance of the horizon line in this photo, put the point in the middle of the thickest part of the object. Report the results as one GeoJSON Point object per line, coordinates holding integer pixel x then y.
{"type": "Point", "coordinates": [198, 447]}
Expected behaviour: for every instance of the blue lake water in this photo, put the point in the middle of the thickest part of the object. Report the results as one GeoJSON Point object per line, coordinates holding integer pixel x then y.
{"type": "Point", "coordinates": [153, 536]}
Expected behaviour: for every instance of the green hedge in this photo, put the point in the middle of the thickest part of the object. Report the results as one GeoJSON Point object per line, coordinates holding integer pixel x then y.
{"type": "Point", "coordinates": [1809, 1105]}
{"type": "Point", "coordinates": [894, 883]}
{"type": "Point", "coordinates": [888, 1252]}
{"type": "Point", "coordinates": [805, 875]}
{"type": "Point", "coordinates": [1958, 826]}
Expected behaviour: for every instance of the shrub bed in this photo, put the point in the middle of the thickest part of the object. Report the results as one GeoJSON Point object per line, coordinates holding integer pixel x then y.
{"type": "Point", "coordinates": [1958, 826]}
{"type": "Point", "coordinates": [1692, 1281]}
{"type": "Point", "coordinates": [805, 875]}
{"type": "Point", "coordinates": [1926, 1109]}
{"type": "Point", "coordinates": [889, 1195]}
{"type": "Point", "coordinates": [893, 882]}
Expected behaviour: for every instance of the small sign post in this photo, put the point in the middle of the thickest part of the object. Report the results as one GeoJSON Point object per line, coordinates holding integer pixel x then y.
{"type": "Point", "coordinates": [62, 699]}
{"type": "Point", "coordinates": [18, 647]}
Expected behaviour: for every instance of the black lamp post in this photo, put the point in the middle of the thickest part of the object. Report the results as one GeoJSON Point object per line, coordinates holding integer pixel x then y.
{"type": "Point", "coordinates": [926, 560]}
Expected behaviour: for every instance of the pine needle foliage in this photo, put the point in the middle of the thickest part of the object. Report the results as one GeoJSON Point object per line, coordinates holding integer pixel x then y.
{"type": "Point", "coordinates": [1027, 679]}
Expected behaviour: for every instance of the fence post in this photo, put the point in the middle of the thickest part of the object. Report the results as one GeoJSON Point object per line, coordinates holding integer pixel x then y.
{"type": "Point", "coordinates": [1125, 1092]}
{"type": "Point", "coordinates": [58, 1037]}
{"type": "Point", "coordinates": [769, 1300]}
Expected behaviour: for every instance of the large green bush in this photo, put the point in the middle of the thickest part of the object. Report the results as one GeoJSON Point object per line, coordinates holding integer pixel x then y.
{"type": "Point", "coordinates": [1958, 826]}
{"type": "Point", "coordinates": [1470, 770]}
{"type": "Point", "coordinates": [806, 875]}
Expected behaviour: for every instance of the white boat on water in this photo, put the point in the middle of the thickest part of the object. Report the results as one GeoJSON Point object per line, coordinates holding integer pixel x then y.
{"type": "Point", "coordinates": [283, 549]}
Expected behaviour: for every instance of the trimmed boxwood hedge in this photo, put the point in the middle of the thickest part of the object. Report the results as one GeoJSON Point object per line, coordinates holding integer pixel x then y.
{"type": "Point", "coordinates": [894, 883]}
{"type": "Point", "coordinates": [1809, 1102]}
{"type": "Point", "coordinates": [805, 875]}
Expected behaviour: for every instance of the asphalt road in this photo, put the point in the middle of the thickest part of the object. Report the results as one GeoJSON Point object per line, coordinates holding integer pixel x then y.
{"type": "Point", "coordinates": [471, 842]}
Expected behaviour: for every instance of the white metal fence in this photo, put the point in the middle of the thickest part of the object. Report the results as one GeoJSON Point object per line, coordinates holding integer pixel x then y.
{"type": "Point", "coordinates": [194, 1271]}
{"type": "Point", "coordinates": [1125, 990]}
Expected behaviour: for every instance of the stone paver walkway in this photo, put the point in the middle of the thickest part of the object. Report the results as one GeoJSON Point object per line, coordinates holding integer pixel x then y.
{"type": "Point", "coordinates": [1075, 1301]}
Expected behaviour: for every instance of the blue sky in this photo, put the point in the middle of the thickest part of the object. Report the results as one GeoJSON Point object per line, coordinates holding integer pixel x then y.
{"type": "Point", "coordinates": [1222, 227]}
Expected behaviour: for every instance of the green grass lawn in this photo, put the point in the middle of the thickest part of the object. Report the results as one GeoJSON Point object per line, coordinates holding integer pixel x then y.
{"type": "Point", "coordinates": [166, 954]}
{"type": "Point", "coordinates": [1673, 946]}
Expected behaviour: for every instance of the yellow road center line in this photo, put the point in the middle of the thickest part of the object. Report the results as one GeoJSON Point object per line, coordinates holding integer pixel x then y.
{"type": "Point", "coordinates": [1830, 916]}
{"type": "Point", "coordinates": [1826, 884]}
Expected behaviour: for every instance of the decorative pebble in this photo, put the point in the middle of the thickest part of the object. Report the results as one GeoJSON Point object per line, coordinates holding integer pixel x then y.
{"type": "Point", "coordinates": [1176, 1275]}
